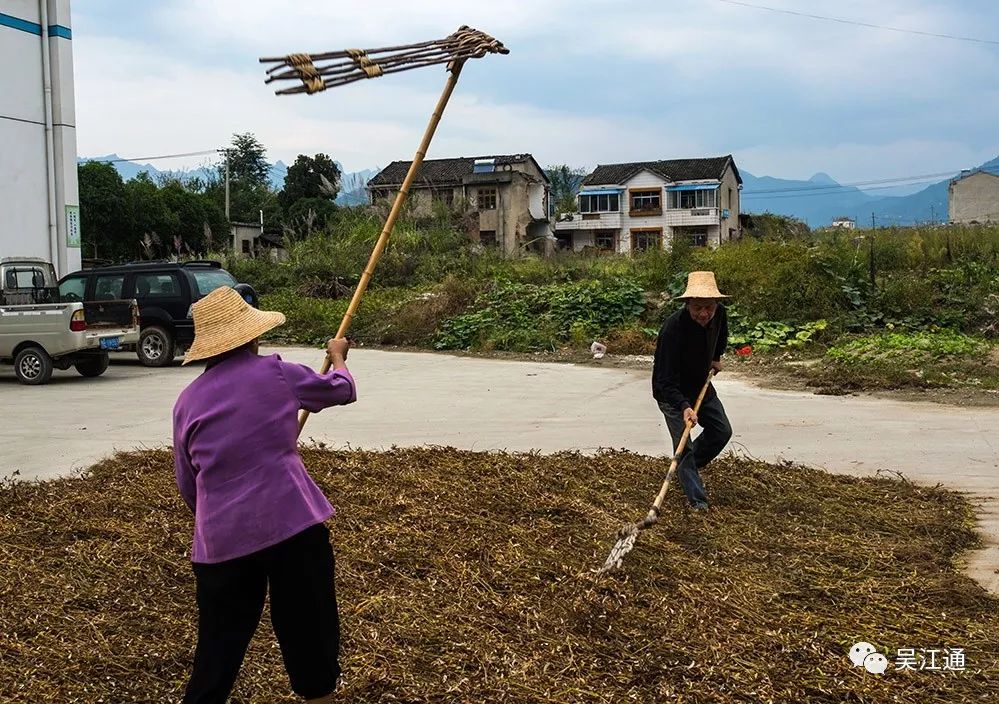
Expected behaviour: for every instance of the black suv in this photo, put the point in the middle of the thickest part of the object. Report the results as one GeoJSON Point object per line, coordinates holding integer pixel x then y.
{"type": "Point", "coordinates": [165, 292]}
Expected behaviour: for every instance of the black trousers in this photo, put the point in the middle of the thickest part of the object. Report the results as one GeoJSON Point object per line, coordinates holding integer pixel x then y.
{"type": "Point", "coordinates": [699, 452]}
{"type": "Point", "coordinates": [304, 614]}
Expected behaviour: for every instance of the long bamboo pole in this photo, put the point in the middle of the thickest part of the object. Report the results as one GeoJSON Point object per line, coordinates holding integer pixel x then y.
{"type": "Point", "coordinates": [400, 200]}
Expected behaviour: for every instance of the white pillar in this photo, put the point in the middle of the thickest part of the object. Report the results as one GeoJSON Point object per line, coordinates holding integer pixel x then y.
{"type": "Point", "coordinates": [64, 134]}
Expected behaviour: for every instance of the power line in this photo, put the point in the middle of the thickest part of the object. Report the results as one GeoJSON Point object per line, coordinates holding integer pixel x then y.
{"type": "Point", "coordinates": [153, 158]}
{"type": "Point", "coordinates": [862, 24]}
{"type": "Point", "coordinates": [840, 188]}
{"type": "Point", "coordinates": [898, 180]}
{"type": "Point", "coordinates": [831, 193]}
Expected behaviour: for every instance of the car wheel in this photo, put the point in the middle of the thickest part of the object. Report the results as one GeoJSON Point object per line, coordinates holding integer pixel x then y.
{"type": "Point", "coordinates": [33, 366]}
{"type": "Point", "coordinates": [93, 365]}
{"type": "Point", "coordinates": [156, 347]}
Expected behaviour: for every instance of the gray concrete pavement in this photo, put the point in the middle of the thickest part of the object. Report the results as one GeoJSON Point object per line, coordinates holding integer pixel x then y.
{"type": "Point", "coordinates": [418, 399]}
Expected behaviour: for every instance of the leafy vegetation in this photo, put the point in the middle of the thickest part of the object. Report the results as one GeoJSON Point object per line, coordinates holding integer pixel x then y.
{"type": "Point", "coordinates": [523, 317]}
{"type": "Point", "coordinates": [922, 359]}
{"type": "Point", "coordinates": [140, 219]}
{"type": "Point", "coordinates": [565, 182]}
{"type": "Point", "coordinates": [768, 334]}
{"type": "Point", "coordinates": [435, 288]}
{"type": "Point", "coordinates": [931, 345]}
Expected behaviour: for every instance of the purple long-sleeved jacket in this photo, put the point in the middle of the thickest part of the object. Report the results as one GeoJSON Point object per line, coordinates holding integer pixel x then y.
{"type": "Point", "coordinates": [235, 439]}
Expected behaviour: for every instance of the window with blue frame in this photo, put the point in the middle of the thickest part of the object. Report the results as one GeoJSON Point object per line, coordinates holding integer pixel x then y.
{"type": "Point", "coordinates": [689, 199]}
{"type": "Point", "coordinates": [599, 203]}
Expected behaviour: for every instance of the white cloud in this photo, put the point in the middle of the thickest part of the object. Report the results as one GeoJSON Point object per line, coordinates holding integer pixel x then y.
{"type": "Point", "coordinates": [155, 105]}
{"type": "Point", "coordinates": [713, 44]}
{"type": "Point", "coordinates": [280, 28]}
{"type": "Point", "coordinates": [788, 95]}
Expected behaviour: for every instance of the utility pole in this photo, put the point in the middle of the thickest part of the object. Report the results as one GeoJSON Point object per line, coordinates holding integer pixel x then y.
{"type": "Point", "coordinates": [227, 185]}
{"type": "Point", "coordinates": [933, 214]}
{"type": "Point", "coordinates": [871, 270]}
{"type": "Point", "coordinates": [873, 226]}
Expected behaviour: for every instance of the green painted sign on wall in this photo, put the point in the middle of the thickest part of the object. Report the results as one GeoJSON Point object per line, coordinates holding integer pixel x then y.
{"type": "Point", "coordinates": [72, 226]}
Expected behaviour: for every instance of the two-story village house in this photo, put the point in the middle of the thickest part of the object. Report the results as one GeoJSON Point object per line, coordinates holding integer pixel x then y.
{"type": "Point", "coordinates": [636, 206]}
{"type": "Point", "coordinates": [508, 195]}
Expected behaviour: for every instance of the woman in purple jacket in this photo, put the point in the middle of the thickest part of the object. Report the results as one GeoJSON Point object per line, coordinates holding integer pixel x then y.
{"type": "Point", "coordinates": [258, 516]}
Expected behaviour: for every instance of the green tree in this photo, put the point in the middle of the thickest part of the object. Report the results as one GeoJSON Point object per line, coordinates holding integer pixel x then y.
{"type": "Point", "coordinates": [143, 219]}
{"type": "Point", "coordinates": [770, 226]}
{"type": "Point", "coordinates": [247, 161]}
{"type": "Point", "coordinates": [196, 223]}
{"type": "Point", "coordinates": [565, 182]}
{"type": "Point", "coordinates": [249, 185]}
{"type": "Point", "coordinates": [102, 209]}
{"type": "Point", "coordinates": [310, 177]}
{"type": "Point", "coordinates": [147, 220]}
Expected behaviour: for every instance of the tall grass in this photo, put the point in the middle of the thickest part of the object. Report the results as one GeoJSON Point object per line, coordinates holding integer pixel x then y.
{"type": "Point", "coordinates": [914, 248]}
{"type": "Point", "coordinates": [909, 278]}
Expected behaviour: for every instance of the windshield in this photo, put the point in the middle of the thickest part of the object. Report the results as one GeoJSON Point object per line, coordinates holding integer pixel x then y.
{"type": "Point", "coordinates": [207, 280]}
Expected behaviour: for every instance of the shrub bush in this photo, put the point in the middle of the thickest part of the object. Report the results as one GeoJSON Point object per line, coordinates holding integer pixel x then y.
{"type": "Point", "coordinates": [772, 280]}
{"type": "Point", "coordinates": [525, 317]}
{"type": "Point", "coordinates": [433, 287]}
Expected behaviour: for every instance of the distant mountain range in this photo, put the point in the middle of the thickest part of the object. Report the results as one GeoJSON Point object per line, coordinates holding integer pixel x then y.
{"type": "Point", "coordinates": [820, 199]}
{"type": "Point", "coordinates": [817, 201]}
{"type": "Point", "coordinates": [352, 184]}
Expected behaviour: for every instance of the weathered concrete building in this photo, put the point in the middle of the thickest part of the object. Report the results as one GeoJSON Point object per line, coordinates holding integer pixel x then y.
{"type": "Point", "coordinates": [249, 239]}
{"type": "Point", "coordinates": [39, 199]}
{"type": "Point", "coordinates": [508, 194]}
{"type": "Point", "coordinates": [641, 205]}
{"type": "Point", "coordinates": [974, 197]}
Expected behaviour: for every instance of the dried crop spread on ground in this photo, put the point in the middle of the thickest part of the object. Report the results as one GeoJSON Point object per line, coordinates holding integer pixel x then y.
{"type": "Point", "coordinates": [463, 577]}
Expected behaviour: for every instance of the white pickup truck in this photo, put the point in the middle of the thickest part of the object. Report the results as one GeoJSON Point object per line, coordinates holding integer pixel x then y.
{"type": "Point", "coordinates": [40, 332]}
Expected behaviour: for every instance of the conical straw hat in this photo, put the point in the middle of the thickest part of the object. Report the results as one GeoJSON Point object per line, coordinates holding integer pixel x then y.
{"type": "Point", "coordinates": [223, 321]}
{"type": "Point", "coordinates": [701, 284]}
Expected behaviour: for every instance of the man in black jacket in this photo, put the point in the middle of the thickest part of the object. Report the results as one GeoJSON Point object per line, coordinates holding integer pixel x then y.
{"type": "Point", "coordinates": [691, 343]}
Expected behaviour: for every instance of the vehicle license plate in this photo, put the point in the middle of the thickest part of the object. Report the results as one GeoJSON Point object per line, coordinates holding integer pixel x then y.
{"type": "Point", "coordinates": [110, 343]}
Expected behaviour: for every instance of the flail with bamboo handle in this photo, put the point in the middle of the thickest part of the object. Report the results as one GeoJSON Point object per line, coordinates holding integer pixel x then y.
{"type": "Point", "coordinates": [629, 533]}
{"type": "Point", "coordinates": [351, 65]}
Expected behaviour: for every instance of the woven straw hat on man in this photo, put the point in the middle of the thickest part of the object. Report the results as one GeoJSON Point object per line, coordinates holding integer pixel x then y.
{"type": "Point", "coordinates": [223, 321]}
{"type": "Point", "coordinates": [701, 284]}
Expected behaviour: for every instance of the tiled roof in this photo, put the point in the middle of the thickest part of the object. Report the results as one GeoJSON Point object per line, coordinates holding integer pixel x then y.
{"type": "Point", "coordinates": [669, 169]}
{"type": "Point", "coordinates": [441, 171]}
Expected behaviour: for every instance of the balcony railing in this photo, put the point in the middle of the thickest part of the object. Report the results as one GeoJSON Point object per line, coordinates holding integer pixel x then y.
{"type": "Point", "coordinates": [670, 217]}
{"type": "Point", "coordinates": [591, 221]}
{"type": "Point", "coordinates": [692, 216]}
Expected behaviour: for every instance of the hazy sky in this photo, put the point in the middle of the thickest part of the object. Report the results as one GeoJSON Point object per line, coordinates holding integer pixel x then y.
{"type": "Point", "coordinates": [586, 82]}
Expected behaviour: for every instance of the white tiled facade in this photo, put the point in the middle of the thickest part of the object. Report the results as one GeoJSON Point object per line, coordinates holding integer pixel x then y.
{"type": "Point", "coordinates": [708, 220]}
